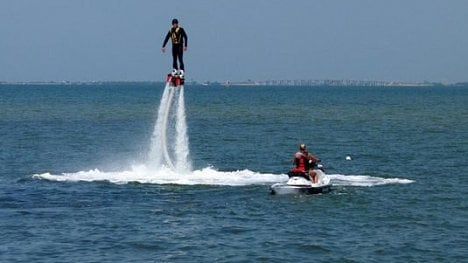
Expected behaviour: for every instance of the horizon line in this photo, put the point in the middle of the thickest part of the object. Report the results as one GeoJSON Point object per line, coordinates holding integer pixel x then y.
{"type": "Point", "coordinates": [250, 82]}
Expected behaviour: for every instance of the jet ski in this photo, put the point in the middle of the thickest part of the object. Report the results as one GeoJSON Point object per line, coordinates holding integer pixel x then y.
{"type": "Point", "coordinates": [299, 183]}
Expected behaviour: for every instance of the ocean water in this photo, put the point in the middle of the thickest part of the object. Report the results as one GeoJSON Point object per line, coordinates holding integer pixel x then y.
{"type": "Point", "coordinates": [78, 181]}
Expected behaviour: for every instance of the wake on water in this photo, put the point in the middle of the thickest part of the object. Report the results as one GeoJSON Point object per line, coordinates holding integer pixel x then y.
{"type": "Point", "coordinates": [206, 176]}
{"type": "Point", "coordinates": [169, 159]}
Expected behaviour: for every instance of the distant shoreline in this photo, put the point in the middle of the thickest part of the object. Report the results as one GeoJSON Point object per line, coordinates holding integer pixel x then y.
{"type": "Point", "coordinates": [303, 83]}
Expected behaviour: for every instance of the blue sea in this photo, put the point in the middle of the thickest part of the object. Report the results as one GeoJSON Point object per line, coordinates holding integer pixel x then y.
{"type": "Point", "coordinates": [77, 183]}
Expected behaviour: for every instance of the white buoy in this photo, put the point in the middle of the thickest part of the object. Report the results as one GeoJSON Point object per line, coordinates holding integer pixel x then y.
{"type": "Point", "coordinates": [348, 158]}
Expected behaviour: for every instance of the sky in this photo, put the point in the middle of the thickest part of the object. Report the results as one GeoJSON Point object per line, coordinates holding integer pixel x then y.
{"type": "Point", "coordinates": [120, 40]}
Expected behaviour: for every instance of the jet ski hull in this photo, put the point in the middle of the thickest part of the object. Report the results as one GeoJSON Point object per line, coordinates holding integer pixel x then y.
{"type": "Point", "coordinates": [299, 184]}
{"type": "Point", "coordinates": [280, 189]}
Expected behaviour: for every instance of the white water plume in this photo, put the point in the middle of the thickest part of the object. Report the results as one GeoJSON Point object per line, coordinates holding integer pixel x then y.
{"type": "Point", "coordinates": [182, 144]}
{"type": "Point", "coordinates": [155, 154]}
{"type": "Point", "coordinates": [170, 139]}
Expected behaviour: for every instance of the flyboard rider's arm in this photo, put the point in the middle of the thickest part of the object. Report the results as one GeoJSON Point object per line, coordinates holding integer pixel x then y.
{"type": "Point", "coordinates": [165, 41]}
{"type": "Point", "coordinates": [185, 38]}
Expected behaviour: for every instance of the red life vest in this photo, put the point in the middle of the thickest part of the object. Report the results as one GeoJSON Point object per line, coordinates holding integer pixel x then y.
{"type": "Point", "coordinates": [300, 163]}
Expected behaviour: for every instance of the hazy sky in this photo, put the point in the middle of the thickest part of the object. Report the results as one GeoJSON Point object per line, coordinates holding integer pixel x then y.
{"type": "Point", "coordinates": [85, 40]}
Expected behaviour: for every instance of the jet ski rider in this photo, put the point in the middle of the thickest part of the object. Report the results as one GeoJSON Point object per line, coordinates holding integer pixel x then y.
{"type": "Point", "coordinates": [305, 162]}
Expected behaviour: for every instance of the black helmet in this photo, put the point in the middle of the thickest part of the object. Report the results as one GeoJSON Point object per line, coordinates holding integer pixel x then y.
{"type": "Point", "coordinates": [302, 146]}
{"type": "Point", "coordinates": [175, 21]}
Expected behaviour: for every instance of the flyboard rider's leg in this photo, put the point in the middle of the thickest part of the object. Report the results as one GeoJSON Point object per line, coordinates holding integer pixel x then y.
{"type": "Point", "coordinates": [178, 55]}
{"type": "Point", "coordinates": [175, 53]}
{"type": "Point", "coordinates": [181, 58]}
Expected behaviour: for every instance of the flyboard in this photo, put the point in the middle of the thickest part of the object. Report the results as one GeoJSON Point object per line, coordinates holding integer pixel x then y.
{"type": "Point", "coordinates": [175, 78]}
{"type": "Point", "coordinates": [174, 83]}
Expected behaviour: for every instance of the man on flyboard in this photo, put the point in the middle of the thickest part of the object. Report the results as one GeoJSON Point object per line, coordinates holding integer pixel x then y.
{"type": "Point", "coordinates": [179, 45]}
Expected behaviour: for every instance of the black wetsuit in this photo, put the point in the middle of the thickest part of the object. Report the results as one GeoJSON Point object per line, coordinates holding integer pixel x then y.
{"type": "Point", "coordinates": [179, 41]}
